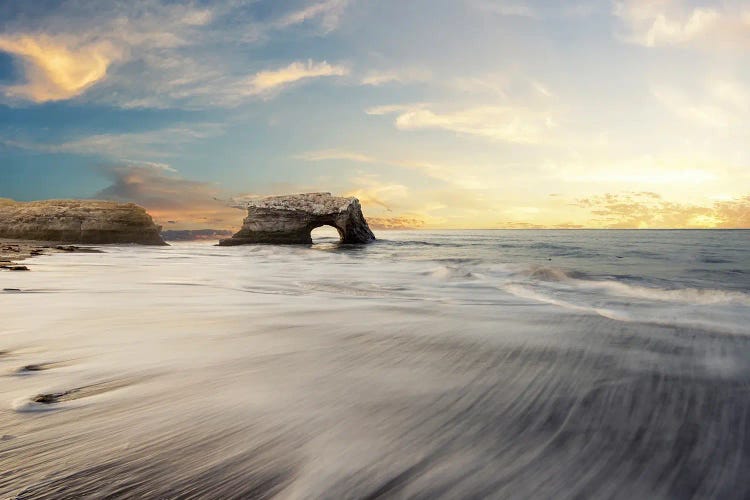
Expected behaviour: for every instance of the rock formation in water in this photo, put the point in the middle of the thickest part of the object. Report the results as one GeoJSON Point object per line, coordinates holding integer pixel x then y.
{"type": "Point", "coordinates": [290, 219]}
{"type": "Point", "coordinates": [78, 221]}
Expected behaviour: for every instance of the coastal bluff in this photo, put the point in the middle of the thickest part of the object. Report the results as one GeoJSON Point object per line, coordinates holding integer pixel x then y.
{"type": "Point", "coordinates": [78, 221]}
{"type": "Point", "coordinates": [290, 219]}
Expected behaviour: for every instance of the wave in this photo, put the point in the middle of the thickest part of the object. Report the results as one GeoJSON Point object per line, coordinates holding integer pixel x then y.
{"type": "Point", "coordinates": [730, 321]}
{"type": "Point", "coordinates": [697, 296]}
{"type": "Point", "coordinates": [449, 273]}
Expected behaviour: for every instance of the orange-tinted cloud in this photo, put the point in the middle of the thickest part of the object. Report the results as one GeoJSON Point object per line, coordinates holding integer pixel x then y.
{"type": "Point", "coordinates": [53, 70]}
{"type": "Point", "coordinates": [171, 200]}
{"type": "Point", "coordinates": [271, 80]}
{"type": "Point", "coordinates": [395, 222]}
{"type": "Point", "coordinates": [650, 210]}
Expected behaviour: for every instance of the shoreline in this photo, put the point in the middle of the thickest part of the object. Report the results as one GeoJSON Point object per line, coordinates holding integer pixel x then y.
{"type": "Point", "coordinates": [13, 251]}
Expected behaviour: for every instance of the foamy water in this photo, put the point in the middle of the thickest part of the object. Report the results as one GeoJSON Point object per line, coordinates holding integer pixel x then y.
{"type": "Point", "coordinates": [456, 364]}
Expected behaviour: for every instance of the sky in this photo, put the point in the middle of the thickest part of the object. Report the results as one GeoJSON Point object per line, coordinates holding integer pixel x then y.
{"type": "Point", "coordinates": [434, 113]}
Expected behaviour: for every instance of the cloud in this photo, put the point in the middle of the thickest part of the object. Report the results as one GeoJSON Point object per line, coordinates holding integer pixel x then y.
{"type": "Point", "coordinates": [455, 175]}
{"type": "Point", "coordinates": [655, 23]}
{"type": "Point", "coordinates": [385, 223]}
{"type": "Point", "coordinates": [53, 71]}
{"type": "Point", "coordinates": [327, 12]}
{"type": "Point", "coordinates": [335, 154]}
{"type": "Point", "coordinates": [506, 8]}
{"type": "Point", "coordinates": [718, 103]}
{"type": "Point", "coordinates": [169, 197]}
{"type": "Point", "coordinates": [514, 124]}
{"type": "Point", "coordinates": [153, 53]}
{"type": "Point", "coordinates": [74, 46]}
{"type": "Point", "coordinates": [268, 81]}
{"type": "Point", "coordinates": [375, 193]}
{"type": "Point", "coordinates": [519, 225]}
{"type": "Point", "coordinates": [160, 143]}
{"type": "Point", "coordinates": [650, 210]}
{"type": "Point", "coordinates": [533, 9]}
{"type": "Point", "coordinates": [377, 78]}
{"type": "Point", "coordinates": [642, 172]}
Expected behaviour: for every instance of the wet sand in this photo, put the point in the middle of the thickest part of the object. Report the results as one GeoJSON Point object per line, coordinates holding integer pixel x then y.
{"type": "Point", "coordinates": [12, 252]}
{"type": "Point", "coordinates": [404, 369]}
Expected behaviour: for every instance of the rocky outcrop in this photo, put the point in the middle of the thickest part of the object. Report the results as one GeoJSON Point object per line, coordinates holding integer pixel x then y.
{"type": "Point", "coordinates": [290, 219]}
{"type": "Point", "coordinates": [78, 221]}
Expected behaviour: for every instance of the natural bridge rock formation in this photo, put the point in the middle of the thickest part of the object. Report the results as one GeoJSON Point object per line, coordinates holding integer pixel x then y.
{"type": "Point", "coordinates": [78, 221]}
{"type": "Point", "coordinates": [290, 219]}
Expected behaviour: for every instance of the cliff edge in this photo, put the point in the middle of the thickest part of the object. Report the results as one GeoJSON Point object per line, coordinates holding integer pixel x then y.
{"type": "Point", "coordinates": [78, 221]}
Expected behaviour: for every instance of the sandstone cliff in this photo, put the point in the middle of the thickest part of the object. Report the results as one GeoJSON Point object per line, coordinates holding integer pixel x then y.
{"type": "Point", "coordinates": [78, 221]}
{"type": "Point", "coordinates": [290, 219]}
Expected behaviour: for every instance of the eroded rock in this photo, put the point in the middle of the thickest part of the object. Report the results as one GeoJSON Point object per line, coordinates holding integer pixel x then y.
{"type": "Point", "coordinates": [13, 267]}
{"type": "Point", "coordinates": [78, 221]}
{"type": "Point", "coordinates": [290, 219]}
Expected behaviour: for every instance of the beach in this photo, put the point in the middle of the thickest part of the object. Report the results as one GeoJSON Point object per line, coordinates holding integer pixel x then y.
{"type": "Point", "coordinates": [428, 364]}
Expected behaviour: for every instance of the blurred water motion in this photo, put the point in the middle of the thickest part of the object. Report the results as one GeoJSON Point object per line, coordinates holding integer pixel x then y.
{"type": "Point", "coordinates": [458, 364]}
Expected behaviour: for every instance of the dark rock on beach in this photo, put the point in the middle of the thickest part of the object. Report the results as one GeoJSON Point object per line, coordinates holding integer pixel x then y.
{"type": "Point", "coordinates": [13, 267]}
{"type": "Point", "coordinates": [12, 251]}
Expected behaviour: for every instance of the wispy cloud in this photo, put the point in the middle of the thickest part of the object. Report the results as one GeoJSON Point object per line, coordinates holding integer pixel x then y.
{"type": "Point", "coordinates": [515, 124]}
{"type": "Point", "coordinates": [152, 54]}
{"type": "Point", "coordinates": [718, 103]}
{"type": "Point", "coordinates": [377, 78]}
{"type": "Point", "coordinates": [159, 143]}
{"type": "Point", "coordinates": [460, 177]}
{"type": "Point", "coordinates": [269, 81]}
{"type": "Point", "coordinates": [327, 12]}
{"type": "Point", "coordinates": [402, 222]}
{"type": "Point", "coordinates": [335, 154]}
{"type": "Point", "coordinates": [506, 7]}
{"type": "Point", "coordinates": [70, 49]}
{"type": "Point", "coordinates": [650, 210]}
{"type": "Point", "coordinates": [677, 22]}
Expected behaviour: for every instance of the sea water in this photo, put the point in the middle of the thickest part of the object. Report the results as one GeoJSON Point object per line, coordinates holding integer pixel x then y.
{"type": "Point", "coordinates": [455, 364]}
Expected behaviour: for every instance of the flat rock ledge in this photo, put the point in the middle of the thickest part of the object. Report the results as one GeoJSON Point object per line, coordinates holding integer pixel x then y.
{"type": "Point", "coordinates": [290, 220]}
{"type": "Point", "coordinates": [78, 221]}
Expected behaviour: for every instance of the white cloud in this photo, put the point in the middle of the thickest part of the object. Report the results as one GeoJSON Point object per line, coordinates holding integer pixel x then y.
{"type": "Point", "coordinates": [515, 124]}
{"type": "Point", "coordinates": [390, 109]}
{"type": "Point", "coordinates": [458, 176]}
{"type": "Point", "coordinates": [640, 172]}
{"type": "Point", "coordinates": [268, 81]}
{"type": "Point", "coordinates": [152, 53]}
{"type": "Point", "coordinates": [730, 93]}
{"type": "Point", "coordinates": [402, 76]}
{"type": "Point", "coordinates": [160, 143]}
{"type": "Point", "coordinates": [654, 23]}
{"type": "Point", "coordinates": [335, 154]}
{"type": "Point", "coordinates": [327, 12]}
{"type": "Point", "coordinates": [717, 103]}
{"type": "Point", "coordinates": [506, 7]}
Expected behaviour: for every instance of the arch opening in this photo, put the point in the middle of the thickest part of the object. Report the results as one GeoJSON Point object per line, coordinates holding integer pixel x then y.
{"type": "Point", "coordinates": [325, 234]}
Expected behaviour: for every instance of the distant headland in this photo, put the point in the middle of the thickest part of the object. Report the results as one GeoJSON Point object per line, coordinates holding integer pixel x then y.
{"type": "Point", "coordinates": [78, 221]}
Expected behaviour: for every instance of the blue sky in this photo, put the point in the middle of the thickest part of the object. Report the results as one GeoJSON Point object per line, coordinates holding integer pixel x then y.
{"type": "Point", "coordinates": [439, 113]}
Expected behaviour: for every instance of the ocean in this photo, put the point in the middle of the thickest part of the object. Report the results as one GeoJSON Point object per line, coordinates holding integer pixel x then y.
{"type": "Point", "coordinates": [430, 364]}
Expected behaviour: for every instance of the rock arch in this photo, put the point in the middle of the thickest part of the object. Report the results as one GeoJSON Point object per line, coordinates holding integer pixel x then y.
{"type": "Point", "coordinates": [328, 226]}
{"type": "Point", "coordinates": [290, 219]}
